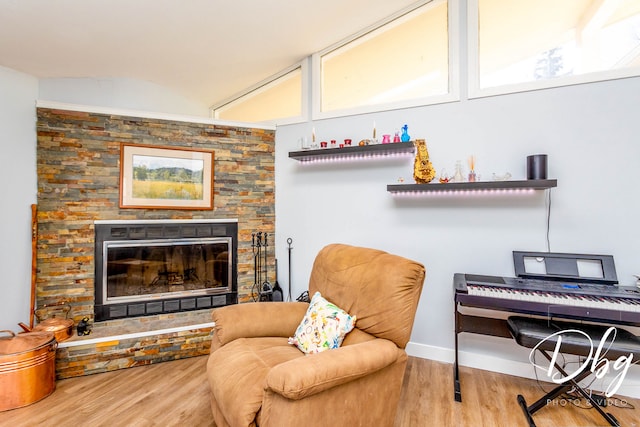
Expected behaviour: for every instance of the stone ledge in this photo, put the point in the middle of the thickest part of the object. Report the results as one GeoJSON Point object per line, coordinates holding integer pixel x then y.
{"type": "Point", "coordinates": [141, 325]}
{"type": "Point", "coordinates": [134, 342]}
{"type": "Point", "coordinates": [91, 341]}
{"type": "Point", "coordinates": [120, 353]}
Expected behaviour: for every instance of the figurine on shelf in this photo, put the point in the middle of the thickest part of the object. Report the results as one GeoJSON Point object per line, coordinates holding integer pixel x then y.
{"type": "Point", "coordinates": [83, 327]}
{"type": "Point", "coordinates": [504, 177]}
{"type": "Point", "coordinates": [444, 178]}
{"type": "Point", "coordinates": [423, 170]}
{"type": "Point", "coordinates": [396, 137]}
{"type": "Point", "coordinates": [405, 135]}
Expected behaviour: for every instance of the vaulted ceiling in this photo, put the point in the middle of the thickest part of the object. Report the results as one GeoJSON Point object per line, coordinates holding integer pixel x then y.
{"type": "Point", "coordinates": [205, 50]}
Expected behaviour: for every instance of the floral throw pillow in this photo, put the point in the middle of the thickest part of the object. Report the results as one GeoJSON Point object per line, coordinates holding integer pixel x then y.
{"type": "Point", "coordinates": [323, 327]}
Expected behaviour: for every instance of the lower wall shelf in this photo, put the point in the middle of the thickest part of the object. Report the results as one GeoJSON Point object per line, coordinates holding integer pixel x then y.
{"type": "Point", "coordinates": [482, 186]}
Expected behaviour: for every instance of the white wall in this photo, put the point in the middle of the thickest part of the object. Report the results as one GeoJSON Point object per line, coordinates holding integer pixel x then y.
{"type": "Point", "coordinates": [590, 133]}
{"type": "Point", "coordinates": [17, 192]}
{"type": "Point", "coordinates": [123, 93]}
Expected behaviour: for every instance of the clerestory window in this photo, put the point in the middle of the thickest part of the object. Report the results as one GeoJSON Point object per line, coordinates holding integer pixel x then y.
{"type": "Point", "coordinates": [517, 45]}
{"type": "Point", "coordinates": [277, 100]}
{"type": "Point", "coordinates": [405, 62]}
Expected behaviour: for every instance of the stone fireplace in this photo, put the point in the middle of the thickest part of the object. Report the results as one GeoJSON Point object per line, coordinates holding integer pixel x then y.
{"type": "Point", "coordinates": [145, 268]}
{"type": "Point", "coordinates": [78, 165]}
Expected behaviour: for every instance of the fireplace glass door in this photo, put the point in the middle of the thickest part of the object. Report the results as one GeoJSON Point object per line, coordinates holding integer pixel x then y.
{"type": "Point", "coordinates": [144, 269]}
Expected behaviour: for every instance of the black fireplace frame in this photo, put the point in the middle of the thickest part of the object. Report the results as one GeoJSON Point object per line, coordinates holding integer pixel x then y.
{"type": "Point", "coordinates": [106, 231]}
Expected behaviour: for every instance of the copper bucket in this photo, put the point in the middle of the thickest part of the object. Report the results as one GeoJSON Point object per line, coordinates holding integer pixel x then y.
{"type": "Point", "coordinates": [27, 368]}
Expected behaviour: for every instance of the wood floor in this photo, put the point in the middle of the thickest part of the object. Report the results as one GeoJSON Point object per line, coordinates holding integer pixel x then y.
{"type": "Point", "coordinates": [176, 394]}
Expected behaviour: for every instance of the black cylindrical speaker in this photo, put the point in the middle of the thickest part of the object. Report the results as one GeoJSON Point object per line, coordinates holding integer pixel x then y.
{"type": "Point", "coordinates": [537, 166]}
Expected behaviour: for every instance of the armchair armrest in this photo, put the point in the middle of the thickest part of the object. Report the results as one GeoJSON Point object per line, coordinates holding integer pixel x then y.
{"type": "Point", "coordinates": [259, 319]}
{"type": "Point", "coordinates": [305, 376]}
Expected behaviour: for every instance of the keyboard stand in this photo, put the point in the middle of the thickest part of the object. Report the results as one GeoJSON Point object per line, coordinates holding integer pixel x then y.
{"type": "Point", "coordinates": [474, 325]}
{"type": "Point", "coordinates": [535, 333]}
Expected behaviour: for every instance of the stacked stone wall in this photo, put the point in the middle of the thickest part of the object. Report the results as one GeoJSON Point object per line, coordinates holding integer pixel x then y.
{"type": "Point", "coordinates": [78, 167]}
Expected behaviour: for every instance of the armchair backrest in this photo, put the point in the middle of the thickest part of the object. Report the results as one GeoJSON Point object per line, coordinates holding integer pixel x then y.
{"type": "Point", "coordinates": [381, 289]}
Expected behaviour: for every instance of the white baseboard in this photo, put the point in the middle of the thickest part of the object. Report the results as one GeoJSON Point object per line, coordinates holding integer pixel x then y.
{"type": "Point", "coordinates": [630, 386]}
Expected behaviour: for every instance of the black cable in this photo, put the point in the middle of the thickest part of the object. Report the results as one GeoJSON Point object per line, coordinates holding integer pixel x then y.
{"type": "Point", "coordinates": [548, 218]}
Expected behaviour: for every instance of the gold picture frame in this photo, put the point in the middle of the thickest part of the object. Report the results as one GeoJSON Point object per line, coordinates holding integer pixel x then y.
{"type": "Point", "coordinates": [154, 177]}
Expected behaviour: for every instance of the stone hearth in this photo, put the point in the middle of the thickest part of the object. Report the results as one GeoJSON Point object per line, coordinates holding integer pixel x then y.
{"type": "Point", "coordinates": [126, 343]}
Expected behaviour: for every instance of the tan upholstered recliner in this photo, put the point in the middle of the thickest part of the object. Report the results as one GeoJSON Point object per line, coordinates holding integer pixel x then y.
{"type": "Point", "coordinates": [257, 378]}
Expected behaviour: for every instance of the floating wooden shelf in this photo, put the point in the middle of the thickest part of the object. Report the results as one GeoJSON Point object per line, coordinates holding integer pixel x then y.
{"type": "Point", "coordinates": [482, 186]}
{"type": "Point", "coordinates": [353, 152]}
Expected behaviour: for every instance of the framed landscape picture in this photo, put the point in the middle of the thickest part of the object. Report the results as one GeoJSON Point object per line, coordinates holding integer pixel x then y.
{"type": "Point", "coordinates": [165, 178]}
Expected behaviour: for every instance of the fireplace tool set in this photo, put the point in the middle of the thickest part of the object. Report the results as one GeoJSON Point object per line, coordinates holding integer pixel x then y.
{"type": "Point", "coordinates": [262, 289]}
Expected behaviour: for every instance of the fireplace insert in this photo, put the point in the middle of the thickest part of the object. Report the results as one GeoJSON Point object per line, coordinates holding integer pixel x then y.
{"type": "Point", "coordinates": [154, 267]}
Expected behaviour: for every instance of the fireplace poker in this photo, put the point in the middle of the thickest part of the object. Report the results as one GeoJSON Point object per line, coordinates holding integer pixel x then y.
{"type": "Point", "coordinates": [259, 258]}
{"type": "Point", "coordinates": [266, 291]}
{"type": "Point", "coordinates": [266, 263]}
{"type": "Point", "coordinates": [255, 266]}
{"type": "Point", "coordinates": [290, 248]}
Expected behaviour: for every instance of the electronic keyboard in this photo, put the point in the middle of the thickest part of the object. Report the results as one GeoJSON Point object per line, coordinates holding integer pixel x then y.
{"type": "Point", "coordinates": [550, 298]}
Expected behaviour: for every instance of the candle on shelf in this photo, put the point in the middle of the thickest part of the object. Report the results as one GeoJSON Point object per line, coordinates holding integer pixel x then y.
{"type": "Point", "coordinates": [313, 134]}
{"type": "Point", "coordinates": [472, 169]}
{"type": "Point", "coordinates": [374, 130]}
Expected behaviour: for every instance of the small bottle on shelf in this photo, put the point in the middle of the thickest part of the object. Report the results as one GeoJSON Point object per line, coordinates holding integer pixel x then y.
{"type": "Point", "coordinates": [458, 176]}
